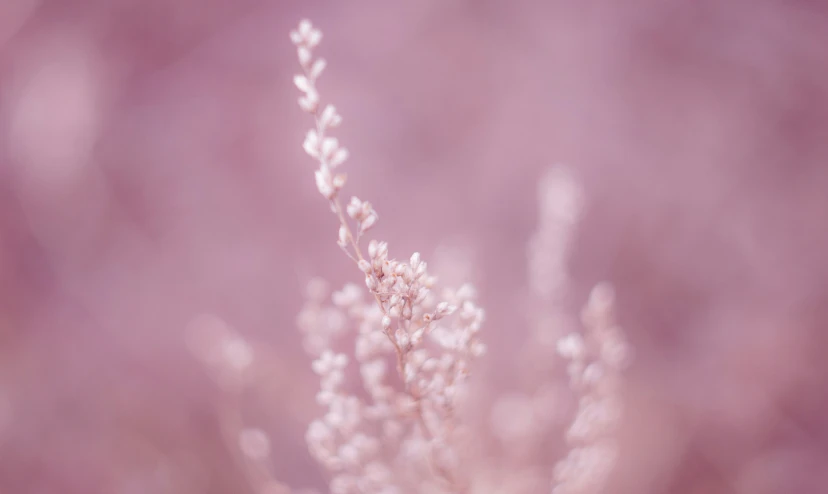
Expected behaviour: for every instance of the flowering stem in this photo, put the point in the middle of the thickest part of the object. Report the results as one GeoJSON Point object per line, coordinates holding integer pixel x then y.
{"type": "Point", "coordinates": [329, 155]}
{"type": "Point", "coordinates": [441, 472]}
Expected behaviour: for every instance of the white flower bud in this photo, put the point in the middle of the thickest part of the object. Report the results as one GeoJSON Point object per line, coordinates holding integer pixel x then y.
{"type": "Point", "coordinates": [329, 145]}
{"type": "Point", "coordinates": [327, 114]}
{"type": "Point", "coordinates": [309, 101]}
{"type": "Point", "coordinates": [354, 208]}
{"type": "Point", "coordinates": [339, 156]}
{"type": "Point", "coordinates": [304, 30]}
{"type": "Point", "coordinates": [417, 337]}
{"type": "Point", "coordinates": [444, 309]}
{"type": "Point", "coordinates": [324, 182]}
{"type": "Point", "coordinates": [382, 250]}
{"type": "Point", "coordinates": [401, 337]}
{"type": "Point", "coordinates": [343, 237]}
{"type": "Point", "coordinates": [311, 143]}
{"type": "Point", "coordinates": [304, 55]}
{"type": "Point", "coordinates": [364, 266]}
{"type": "Point", "coordinates": [302, 83]}
{"type": "Point", "coordinates": [368, 222]}
{"type": "Point", "coordinates": [314, 37]}
{"type": "Point", "coordinates": [317, 68]}
{"type": "Point", "coordinates": [386, 322]}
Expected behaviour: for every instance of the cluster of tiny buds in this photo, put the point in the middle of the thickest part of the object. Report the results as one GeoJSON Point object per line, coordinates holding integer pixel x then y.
{"type": "Point", "coordinates": [306, 38]}
{"type": "Point", "coordinates": [595, 365]}
{"type": "Point", "coordinates": [345, 439]}
{"type": "Point", "coordinates": [363, 213]}
{"type": "Point", "coordinates": [612, 351]}
{"type": "Point", "coordinates": [350, 436]}
{"type": "Point", "coordinates": [401, 288]}
{"type": "Point", "coordinates": [406, 310]}
{"type": "Point", "coordinates": [325, 150]}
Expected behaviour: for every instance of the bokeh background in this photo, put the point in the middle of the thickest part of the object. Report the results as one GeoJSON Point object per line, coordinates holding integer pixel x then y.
{"type": "Point", "coordinates": [151, 171]}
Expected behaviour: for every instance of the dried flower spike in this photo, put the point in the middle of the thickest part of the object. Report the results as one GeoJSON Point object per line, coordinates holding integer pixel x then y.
{"type": "Point", "coordinates": [431, 342]}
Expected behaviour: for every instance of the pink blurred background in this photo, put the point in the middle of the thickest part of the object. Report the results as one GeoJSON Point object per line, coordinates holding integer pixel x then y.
{"type": "Point", "coordinates": [151, 170]}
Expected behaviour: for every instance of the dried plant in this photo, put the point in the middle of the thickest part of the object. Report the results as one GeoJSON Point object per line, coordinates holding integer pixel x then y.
{"type": "Point", "coordinates": [527, 420]}
{"type": "Point", "coordinates": [596, 361]}
{"type": "Point", "coordinates": [401, 434]}
{"type": "Point", "coordinates": [398, 436]}
{"type": "Point", "coordinates": [413, 345]}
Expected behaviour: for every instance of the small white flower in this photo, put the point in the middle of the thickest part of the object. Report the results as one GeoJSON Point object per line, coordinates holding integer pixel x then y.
{"type": "Point", "coordinates": [309, 101]}
{"type": "Point", "coordinates": [317, 68]}
{"type": "Point", "coordinates": [339, 156]}
{"type": "Point", "coordinates": [354, 209]}
{"type": "Point", "coordinates": [311, 143]}
{"type": "Point", "coordinates": [302, 83]}
{"type": "Point", "coordinates": [401, 337]}
{"type": "Point", "coordinates": [324, 182]}
{"type": "Point", "coordinates": [329, 145]}
{"type": "Point", "coordinates": [328, 115]}
{"type": "Point", "coordinates": [364, 266]}
{"type": "Point", "coordinates": [342, 240]}
{"type": "Point", "coordinates": [304, 54]}
{"type": "Point", "coordinates": [444, 309]}
{"type": "Point", "coordinates": [305, 34]}
{"type": "Point", "coordinates": [368, 222]}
